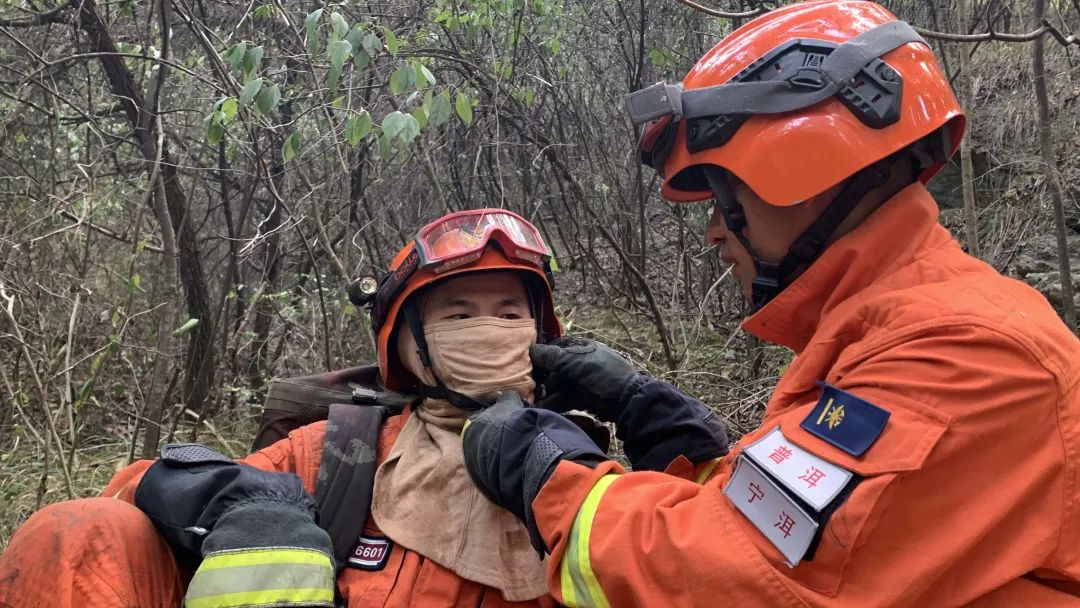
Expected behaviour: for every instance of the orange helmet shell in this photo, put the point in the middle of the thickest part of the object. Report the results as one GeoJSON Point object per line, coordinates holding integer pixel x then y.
{"type": "Point", "coordinates": [394, 374]}
{"type": "Point", "coordinates": [788, 158]}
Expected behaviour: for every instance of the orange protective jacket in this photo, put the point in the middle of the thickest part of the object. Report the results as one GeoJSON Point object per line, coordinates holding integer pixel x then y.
{"type": "Point", "coordinates": [968, 497]}
{"type": "Point", "coordinates": [408, 580]}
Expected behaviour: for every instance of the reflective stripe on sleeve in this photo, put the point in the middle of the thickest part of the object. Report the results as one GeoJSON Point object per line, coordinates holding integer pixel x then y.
{"type": "Point", "coordinates": [580, 588]}
{"type": "Point", "coordinates": [703, 476]}
{"type": "Point", "coordinates": [271, 576]}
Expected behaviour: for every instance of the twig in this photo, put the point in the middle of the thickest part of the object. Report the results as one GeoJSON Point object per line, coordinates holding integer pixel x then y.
{"type": "Point", "coordinates": [52, 16]}
{"type": "Point", "coordinates": [1047, 28]}
{"type": "Point", "coordinates": [724, 14]}
{"type": "Point", "coordinates": [42, 395]}
{"type": "Point", "coordinates": [102, 230]}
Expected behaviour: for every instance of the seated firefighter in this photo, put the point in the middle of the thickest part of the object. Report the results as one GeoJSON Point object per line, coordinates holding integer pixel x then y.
{"type": "Point", "coordinates": [455, 318]}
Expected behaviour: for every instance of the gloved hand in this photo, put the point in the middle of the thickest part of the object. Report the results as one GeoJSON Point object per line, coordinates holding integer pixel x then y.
{"type": "Point", "coordinates": [252, 533]}
{"type": "Point", "coordinates": [578, 373]}
{"type": "Point", "coordinates": [511, 450]}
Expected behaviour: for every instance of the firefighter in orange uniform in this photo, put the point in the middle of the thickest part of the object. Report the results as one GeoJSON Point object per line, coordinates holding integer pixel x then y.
{"type": "Point", "coordinates": [923, 448]}
{"type": "Point", "coordinates": [454, 318]}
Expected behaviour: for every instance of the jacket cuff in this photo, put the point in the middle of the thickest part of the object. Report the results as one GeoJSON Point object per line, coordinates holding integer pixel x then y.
{"type": "Point", "coordinates": [559, 500]}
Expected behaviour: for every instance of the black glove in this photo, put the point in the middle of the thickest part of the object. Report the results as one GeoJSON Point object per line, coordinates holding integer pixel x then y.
{"type": "Point", "coordinates": [659, 423]}
{"type": "Point", "coordinates": [578, 373]}
{"type": "Point", "coordinates": [511, 450]}
{"type": "Point", "coordinates": [215, 514]}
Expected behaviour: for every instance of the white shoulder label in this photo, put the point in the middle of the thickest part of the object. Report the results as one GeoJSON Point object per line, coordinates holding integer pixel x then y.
{"type": "Point", "coordinates": [771, 511]}
{"type": "Point", "coordinates": [809, 477]}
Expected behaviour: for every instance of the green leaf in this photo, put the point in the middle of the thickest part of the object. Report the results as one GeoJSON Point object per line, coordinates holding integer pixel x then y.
{"type": "Point", "coordinates": [403, 79]}
{"type": "Point", "coordinates": [391, 41]}
{"type": "Point", "coordinates": [250, 90]}
{"type": "Point", "coordinates": [252, 60]}
{"type": "Point", "coordinates": [332, 77]}
{"type": "Point", "coordinates": [214, 131]}
{"type": "Point", "coordinates": [372, 44]}
{"type": "Point", "coordinates": [229, 109]}
{"type": "Point", "coordinates": [440, 109]}
{"type": "Point", "coordinates": [268, 99]}
{"type": "Point", "coordinates": [339, 52]}
{"type": "Point", "coordinates": [115, 317]}
{"type": "Point", "coordinates": [393, 123]}
{"type": "Point", "coordinates": [235, 55]}
{"type": "Point", "coordinates": [290, 147]}
{"type": "Point", "coordinates": [311, 27]}
{"type": "Point", "coordinates": [384, 146]}
{"type": "Point", "coordinates": [409, 130]}
{"type": "Point", "coordinates": [339, 25]}
{"type": "Point", "coordinates": [361, 59]}
{"type": "Point", "coordinates": [84, 392]}
{"type": "Point", "coordinates": [186, 327]}
{"type": "Point", "coordinates": [264, 11]}
{"type": "Point", "coordinates": [424, 75]}
{"type": "Point", "coordinates": [311, 23]}
{"type": "Point", "coordinates": [463, 105]}
{"type": "Point", "coordinates": [554, 265]}
{"type": "Point", "coordinates": [355, 37]}
{"type": "Point", "coordinates": [420, 115]}
{"type": "Point", "coordinates": [338, 102]}
{"type": "Point", "coordinates": [357, 128]}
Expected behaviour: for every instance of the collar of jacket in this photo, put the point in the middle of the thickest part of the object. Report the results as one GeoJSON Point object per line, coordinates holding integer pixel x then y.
{"type": "Point", "coordinates": [902, 230]}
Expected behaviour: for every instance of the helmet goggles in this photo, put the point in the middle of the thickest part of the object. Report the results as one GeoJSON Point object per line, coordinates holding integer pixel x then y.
{"type": "Point", "coordinates": [795, 75]}
{"type": "Point", "coordinates": [460, 239]}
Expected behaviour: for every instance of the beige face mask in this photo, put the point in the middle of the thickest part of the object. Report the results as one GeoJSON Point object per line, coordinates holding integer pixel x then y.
{"type": "Point", "coordinates": [480, 357]}
{"type": "Point", "coordinates": [423, 497]}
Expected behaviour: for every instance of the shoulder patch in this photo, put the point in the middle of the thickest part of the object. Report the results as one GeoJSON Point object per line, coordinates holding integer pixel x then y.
{"type": "Point", "coordinates": [809, 477]}
{"type": "Point", "coordinates": [371, 553]}
{"type": "Point", "coordinates": [845, 421]}
{"type": "Point", "coordinates": [776, 515]}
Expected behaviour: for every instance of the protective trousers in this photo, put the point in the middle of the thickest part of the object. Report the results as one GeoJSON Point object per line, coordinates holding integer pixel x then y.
{"type": "Point", "coordinates": [89, 552]}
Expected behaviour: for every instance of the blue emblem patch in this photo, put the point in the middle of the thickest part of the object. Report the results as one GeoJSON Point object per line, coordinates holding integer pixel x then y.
{"type": "Point", "coordinates": [844, 420]}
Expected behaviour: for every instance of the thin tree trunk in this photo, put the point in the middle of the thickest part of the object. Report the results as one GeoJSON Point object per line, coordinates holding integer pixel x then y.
{"type": "Point", "coordinates": [1046, 144]}
{"type": "Point", "coordinates": [967, 173]}
{"type": "Point", "coordinates": [199, 359]}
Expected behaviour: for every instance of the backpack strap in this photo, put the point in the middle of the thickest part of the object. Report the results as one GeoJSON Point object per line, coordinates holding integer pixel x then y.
{"type": "Point", "coordinates": [346, 475]}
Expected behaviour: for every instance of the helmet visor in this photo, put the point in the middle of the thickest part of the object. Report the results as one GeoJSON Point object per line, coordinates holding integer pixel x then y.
{"type": "Point", "coordinates": [460, 238]}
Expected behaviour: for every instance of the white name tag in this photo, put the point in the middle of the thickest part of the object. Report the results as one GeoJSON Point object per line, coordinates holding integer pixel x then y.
{"type": "Point", "coordinates": [771, 511]}
{"type": "Point", "coordinates": [811, 478]}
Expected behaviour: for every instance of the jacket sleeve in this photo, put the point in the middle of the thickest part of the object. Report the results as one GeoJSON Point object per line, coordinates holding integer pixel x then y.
{"type": "Point", "coordinates": [962, 493]}
{"type": "Point", "coordinates": [663, 428]}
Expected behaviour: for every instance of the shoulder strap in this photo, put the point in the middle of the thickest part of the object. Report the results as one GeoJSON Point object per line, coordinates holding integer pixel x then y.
{"type": "Point", "coordinates": [347, 474]}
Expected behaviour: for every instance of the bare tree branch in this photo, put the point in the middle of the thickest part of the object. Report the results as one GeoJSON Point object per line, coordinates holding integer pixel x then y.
{"type": "Point", "coordinates": [53, 16]}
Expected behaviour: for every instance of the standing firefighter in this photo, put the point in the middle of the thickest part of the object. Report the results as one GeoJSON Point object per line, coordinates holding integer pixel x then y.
{"type": "Point", "coordinates": [923, 447]}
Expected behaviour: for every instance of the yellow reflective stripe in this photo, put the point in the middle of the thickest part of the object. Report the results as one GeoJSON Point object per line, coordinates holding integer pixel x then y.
{"type": "Point", "coordinates": [468, 421]}
{"type": "Point", "coordinates": [264, 576]}
{"type": "Point", "coordinates": [580, 587]}
{"type": "Point", "coordinates": [265, 598]}
{"type": "Point", "coordinates": [708, 470]}
{"type": "Point", "coordinates": [268, 555]}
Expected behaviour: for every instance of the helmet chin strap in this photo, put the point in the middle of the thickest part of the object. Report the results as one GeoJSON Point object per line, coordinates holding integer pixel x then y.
{"type": "Point", "coordinates": [440, 391]}
{"type": "Point", "coordinates": [773, 277]}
